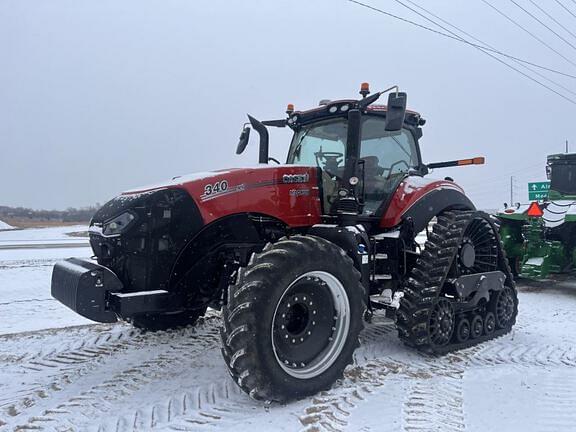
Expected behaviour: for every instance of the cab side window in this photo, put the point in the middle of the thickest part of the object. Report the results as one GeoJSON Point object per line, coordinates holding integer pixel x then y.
{"type": "Point", "coordinates": [386, 157]}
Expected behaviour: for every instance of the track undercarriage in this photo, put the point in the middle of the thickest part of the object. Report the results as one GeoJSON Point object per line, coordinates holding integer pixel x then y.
{"type": "Point", "coordinates": [460, 291]}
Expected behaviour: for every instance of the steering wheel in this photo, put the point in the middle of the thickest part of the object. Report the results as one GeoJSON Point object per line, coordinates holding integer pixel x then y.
{"type": "Point", "coordinates": [332, 160]}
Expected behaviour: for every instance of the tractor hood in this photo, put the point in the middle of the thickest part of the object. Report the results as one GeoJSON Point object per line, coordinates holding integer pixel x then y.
{"type": "Point", "coordinates": [289, 193]}
{"type": "Point", "coordinates": [182, 180]}
{"type": "Point", "coordinates": [140, 233]}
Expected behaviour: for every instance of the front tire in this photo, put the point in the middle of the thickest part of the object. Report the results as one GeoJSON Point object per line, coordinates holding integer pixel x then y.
{"type": "Point", "coordinates": [292, 319]}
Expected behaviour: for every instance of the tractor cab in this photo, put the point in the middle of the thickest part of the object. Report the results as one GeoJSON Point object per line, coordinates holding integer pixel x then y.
{"type": "Point", "coordinates": [385, 157]}
{"type": "Point", "coordinates": [561, 171]}
{"type": "Point", "coordinates": [363, 150]}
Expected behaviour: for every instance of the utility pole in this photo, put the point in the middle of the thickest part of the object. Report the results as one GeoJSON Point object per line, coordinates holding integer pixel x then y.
{"type": "Point", "coordinates": [511, 191]}
{"type": "Point", "coordinates": [566, 146]}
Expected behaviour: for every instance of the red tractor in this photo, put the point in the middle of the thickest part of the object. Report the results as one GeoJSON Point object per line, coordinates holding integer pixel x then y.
{"type": "Point", "coordinates": [298, 255]}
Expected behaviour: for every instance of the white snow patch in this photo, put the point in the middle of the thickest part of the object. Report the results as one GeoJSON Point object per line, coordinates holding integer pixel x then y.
{"type": "Point", "coordinates": [5, 226]}
{"type": "Point", "coordinates": [535, 261]}
{"type": "Point", "coordinates": [44, 236]}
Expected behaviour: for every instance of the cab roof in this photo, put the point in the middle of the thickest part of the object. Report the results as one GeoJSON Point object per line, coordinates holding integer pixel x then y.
{"type": "Point", "coordinates": [340, 107]}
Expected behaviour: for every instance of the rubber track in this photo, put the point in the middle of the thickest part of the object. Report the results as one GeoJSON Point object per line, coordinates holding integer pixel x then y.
{"type": "Point", "coordinates": [427, 279]}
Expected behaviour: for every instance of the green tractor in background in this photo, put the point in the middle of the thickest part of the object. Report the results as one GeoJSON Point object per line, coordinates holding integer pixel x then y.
{"type": "Point", "coordinates": [540, 238]}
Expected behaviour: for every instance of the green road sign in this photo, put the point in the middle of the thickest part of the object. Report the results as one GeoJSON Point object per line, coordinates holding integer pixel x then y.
{"type": "Point", "coordinates": [538, 191]}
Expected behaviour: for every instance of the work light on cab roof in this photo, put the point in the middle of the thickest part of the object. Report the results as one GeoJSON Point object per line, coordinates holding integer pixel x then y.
{"type": "Point", "coordinates": [297, 255]}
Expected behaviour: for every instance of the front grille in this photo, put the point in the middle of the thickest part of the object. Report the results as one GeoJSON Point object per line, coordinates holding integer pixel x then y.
{"type": "Point", "coordinates": [347, 205]}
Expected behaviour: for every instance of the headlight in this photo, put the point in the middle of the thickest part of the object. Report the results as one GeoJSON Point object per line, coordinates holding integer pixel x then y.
{"type": "Point", "coordinates": [117, 225]}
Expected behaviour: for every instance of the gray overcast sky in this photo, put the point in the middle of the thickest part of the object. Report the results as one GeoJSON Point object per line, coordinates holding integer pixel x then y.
{"type": "Point", "coordinates": [100, 96]}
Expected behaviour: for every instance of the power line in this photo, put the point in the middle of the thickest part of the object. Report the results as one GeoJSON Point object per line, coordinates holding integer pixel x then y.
{"type": "Point", "coordinates": [484, 50]}
{"type": "Point", "coordinates": [552, 18]}
{"type": "Point", "coordinates": [459, 39]}
{"type": "Point", "coordinates": [529, 32]}
{"type": "Point", "coordinates": [565, 8]}
{"type": "Point", "coordinates": [487, 45]}
{"type": "Point", "coordinates": [525, 172]}
{"type": "Point", "coordinates": [545, 25]}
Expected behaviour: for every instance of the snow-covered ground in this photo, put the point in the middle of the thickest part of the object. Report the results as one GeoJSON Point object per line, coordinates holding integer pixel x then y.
{"type": "Point", "coordinates": [35, 238]}
{"type": "Point", "coordinates": [25, 272]}
{"type": "Point", "coordinates": [61, 372]}
{"type": "Point", "coordinates": [4, 226]}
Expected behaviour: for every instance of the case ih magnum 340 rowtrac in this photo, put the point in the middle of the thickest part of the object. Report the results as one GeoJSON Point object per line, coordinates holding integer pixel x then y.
{"type": "Point", "coordinates": [298, 255]}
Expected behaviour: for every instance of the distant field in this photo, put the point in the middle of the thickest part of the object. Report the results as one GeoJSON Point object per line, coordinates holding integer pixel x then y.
{"type": "Point", "coordinates": [40, 223]}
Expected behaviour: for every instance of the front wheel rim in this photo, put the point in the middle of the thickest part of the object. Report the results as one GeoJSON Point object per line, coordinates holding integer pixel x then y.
{"type": "Point", "coordinates": [296, 326]}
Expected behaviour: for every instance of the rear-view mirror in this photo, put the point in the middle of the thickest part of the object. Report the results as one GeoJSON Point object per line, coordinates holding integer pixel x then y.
{"type": "Point", "coordinates": [243, 140]}
{"type": "Point", "coordinates": [396, 111]}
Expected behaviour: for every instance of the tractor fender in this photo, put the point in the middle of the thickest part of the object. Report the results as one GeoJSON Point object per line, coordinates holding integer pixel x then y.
{"type": "Point", "coordinates": [198, 270]}
{"type": "Point", "coordinates": [353, 240]}
{"type": "Point", "coordinates": [434, 203]}
{"type": "Point", "coordinates": [421, 199]}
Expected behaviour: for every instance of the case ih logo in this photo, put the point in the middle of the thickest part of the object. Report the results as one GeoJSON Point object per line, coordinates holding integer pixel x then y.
{"type": "Point", "coordinates": [295, 178]}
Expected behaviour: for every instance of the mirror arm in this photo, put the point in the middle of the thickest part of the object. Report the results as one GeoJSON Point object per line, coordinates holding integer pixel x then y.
{"type": "Point", "coordinates": [274, 123]}
{"type": "Point", "coordinates": [264, 139]}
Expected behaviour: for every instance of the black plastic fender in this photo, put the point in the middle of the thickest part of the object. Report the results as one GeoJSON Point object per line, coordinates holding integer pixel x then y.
{"type": "Point", "coordinates": [434, 203]}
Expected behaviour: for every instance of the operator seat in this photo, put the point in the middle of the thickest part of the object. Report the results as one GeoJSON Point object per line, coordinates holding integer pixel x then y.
{"type": "Point", "coordinates": [374, 182]}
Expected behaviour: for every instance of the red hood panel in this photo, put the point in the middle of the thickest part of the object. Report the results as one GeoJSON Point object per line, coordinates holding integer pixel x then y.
{"type": "Point", "coordinates": [287, 192]}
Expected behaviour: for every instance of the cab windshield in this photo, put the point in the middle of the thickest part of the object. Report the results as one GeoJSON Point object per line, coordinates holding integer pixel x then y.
{"type": "Point", "coordinates": [563, 178]}
{"type": "Point", "coordinates": [385, 156]}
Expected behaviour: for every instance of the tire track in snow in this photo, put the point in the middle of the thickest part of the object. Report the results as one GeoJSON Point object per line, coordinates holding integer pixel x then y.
{"type": "Point", "coordinates": [331, 409]}
{"type": "Point", "coordinates": [150, 368]}
{"type": "Point", "coordinates": [380, 359]}
{"type": "Point", "coordinates": [48, 367]}
{"type": "Point", "coordinates": [435, 403]}
{"type": "Point", "coordinates": [557, 402]}
{"type": "Point", "coordinates": [202, 408]}
{"type": "Point", "coordinates": [48, 371]}
{"type": "Point", "coordinates": [505, 352]}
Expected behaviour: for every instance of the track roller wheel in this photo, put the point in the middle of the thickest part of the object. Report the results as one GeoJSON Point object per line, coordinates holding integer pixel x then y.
{"type": "Point", "coordinates": [292, 319]}
{"type": "Point", "coordinates": [463, 330]}
{"type": "Point", "coordinates": [489, 323]}
{"type": "Point", "coordinates": [476, 327]}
